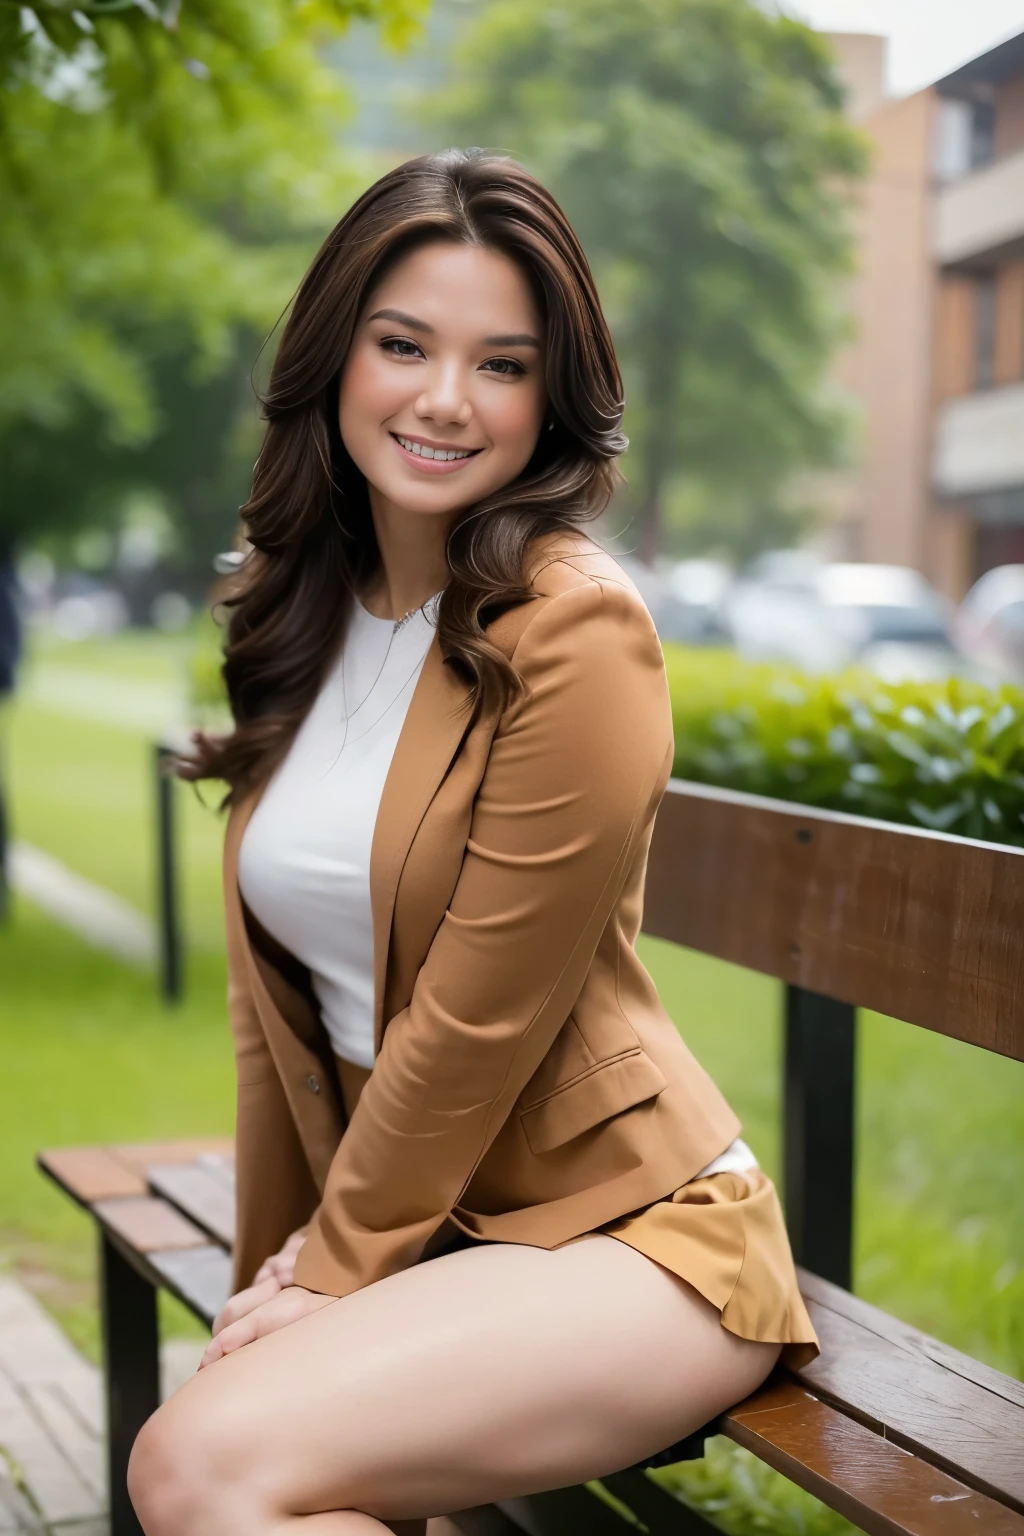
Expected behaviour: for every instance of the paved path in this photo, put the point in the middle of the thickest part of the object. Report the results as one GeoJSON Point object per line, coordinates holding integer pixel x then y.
{"type": "Point", "coordinates": [94, 913]}
{"type": "Point", "coordinates": [130, 704]}
{"type": "Point", "coordinates": [52, 1473]}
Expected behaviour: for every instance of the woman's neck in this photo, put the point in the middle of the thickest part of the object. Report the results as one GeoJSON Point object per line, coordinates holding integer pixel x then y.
{"type": "Point", "coordinates": [413, 564]}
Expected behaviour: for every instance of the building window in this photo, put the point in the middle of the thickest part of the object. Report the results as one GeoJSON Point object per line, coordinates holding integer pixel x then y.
{"type": "Point", "coordinates": [965, 137]}
{"type": "Point", "coordinates": [983, 133]}
{"type": "Point", "coordinates": [985, 331]}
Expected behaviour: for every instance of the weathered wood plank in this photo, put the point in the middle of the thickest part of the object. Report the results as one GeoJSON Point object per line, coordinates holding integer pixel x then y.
{"type": "Point", "coordinates": [200, 1195]}
{"type": "Point", "coordinates": [815, 1290]}
{"type": "Point", "coordinates": [882, 1488]}
{"type": "Point", "coordinates": [147, 1224]}
{"type": "Point", "coordinates": [139, 1155]}
{"type": "Point", "coordinates": [886, 1375]}
{"type": "Point", "coordinates": [199, 1277]}
{"type": "Point", "coordinates": [221, 1166]}
{"type": "Point", "coordinates": [89, 1173]}
{"type": "Point", "coordinates": [918, 925]}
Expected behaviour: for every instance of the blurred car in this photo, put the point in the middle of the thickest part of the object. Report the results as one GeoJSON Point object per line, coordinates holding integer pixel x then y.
{"type": "Point", "coordinates": [792, 606]}
{"type": "Point", "coordinates": [699, 589]}
{"type": "Point", "coordinates": [989, 624]}
{"type": "Point", "coordinates": [684, 597]}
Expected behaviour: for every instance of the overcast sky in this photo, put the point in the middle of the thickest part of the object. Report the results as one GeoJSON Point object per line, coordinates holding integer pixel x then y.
{"type": "Point", "coordinates": [927, 38]}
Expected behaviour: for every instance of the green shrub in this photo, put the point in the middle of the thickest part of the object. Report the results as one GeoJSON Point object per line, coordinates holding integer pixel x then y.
{"type": "Point", "coordinates": [948, 756]}
{"type": "Point", "coordinates": [208, 700]}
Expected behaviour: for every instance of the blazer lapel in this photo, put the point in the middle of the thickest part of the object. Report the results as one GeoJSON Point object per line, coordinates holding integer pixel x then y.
{"type": "Point", "coordinates": [433, 728]}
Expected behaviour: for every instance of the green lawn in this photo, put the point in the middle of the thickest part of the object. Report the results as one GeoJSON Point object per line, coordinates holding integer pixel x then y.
{"type": "Point", "coordinates": [89, 1053]}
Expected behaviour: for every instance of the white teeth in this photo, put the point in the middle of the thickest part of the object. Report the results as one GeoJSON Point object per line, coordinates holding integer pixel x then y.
{"type": "Point", "coordinates": [432, 453]}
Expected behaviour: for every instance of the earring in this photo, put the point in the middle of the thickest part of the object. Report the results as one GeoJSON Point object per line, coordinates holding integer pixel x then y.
{"type": "Point", "coordinates": [551, 426]}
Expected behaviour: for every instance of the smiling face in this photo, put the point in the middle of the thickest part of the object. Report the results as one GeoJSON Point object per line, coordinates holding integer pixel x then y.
{"type": "Point", "coordinates": [442, 394]}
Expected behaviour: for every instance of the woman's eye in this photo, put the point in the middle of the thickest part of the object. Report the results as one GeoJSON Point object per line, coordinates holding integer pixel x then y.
{"type": "Point", "coordinates": [505, 365]}
{"type": "Point", "coordinates": [400, 341]}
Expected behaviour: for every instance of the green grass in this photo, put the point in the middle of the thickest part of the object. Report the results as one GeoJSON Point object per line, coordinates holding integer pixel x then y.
{"type": "Point", "coordinates": [90, 1054]}
{"type": "Point", "coordinates": [84, 792]}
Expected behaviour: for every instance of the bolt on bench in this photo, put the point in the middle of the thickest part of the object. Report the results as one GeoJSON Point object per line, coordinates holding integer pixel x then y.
{"type": "Point", "coordinates": [898, 1432]}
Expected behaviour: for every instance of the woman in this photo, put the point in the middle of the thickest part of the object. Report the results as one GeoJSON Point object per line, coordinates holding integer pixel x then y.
{"type": "Point", "coordinates": [496, 1230]}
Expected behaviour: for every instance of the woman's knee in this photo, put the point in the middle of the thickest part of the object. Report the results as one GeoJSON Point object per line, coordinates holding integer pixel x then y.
{"type": "Point", "coordinates": [189, 1473]}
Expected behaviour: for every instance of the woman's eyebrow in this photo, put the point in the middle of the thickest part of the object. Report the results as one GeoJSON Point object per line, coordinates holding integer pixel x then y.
{"type": "Point", "coordinates": [402, 319]}
{"type": "Point", "coordinates": [519, 339]}
{"type": "Point", "coordinates": [523, 339]}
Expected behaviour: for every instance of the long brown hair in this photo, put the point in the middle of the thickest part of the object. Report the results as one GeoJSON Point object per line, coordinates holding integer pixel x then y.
{"type": "Point", "coordinates": [308, 517]}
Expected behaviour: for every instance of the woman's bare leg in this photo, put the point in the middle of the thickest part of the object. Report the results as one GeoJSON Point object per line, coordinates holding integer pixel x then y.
{"type": "Point", "coordinates": [483, 1374]}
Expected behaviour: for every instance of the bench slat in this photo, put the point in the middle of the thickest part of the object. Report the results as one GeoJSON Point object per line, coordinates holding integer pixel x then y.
{"type": "Point", "coordinates": [221, 1165]}
{"type": "Point", "coordinates": [885, 1374]}
{"type": "Point", "coordinates": [138, 1155]}
{"type": "Point", "coordinates": [200, 1194]}
{"type": "Point", "coordinates": [918, 925]}
{"type": "Point", "coordinates": [147, 1224]}
{"type": "Point", "coordinates": [89, 1173]}
{"type": "Point", "coordinates": [815, 1289]}
{"type": "Point", "coordinates": [882, 1488]}
{"type": "Point", "coordinates": [199, 1277]}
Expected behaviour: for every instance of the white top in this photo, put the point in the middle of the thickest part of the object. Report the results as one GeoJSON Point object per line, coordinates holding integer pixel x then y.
{"type": "Point", "coordinates": [304, 863]}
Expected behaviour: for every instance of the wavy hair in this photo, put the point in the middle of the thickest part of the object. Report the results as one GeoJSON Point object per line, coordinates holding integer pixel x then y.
{"type": "Point", "coordinates": [308, 518]}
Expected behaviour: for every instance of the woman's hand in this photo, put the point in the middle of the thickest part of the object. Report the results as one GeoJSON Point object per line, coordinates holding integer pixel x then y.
{"type": "Point", "coordinates": [275, 1309]}
{"type": "Point", "coordinates": [281, 1266]}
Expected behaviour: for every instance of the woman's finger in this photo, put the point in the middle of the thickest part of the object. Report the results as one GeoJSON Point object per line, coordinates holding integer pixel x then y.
{"type": "Point", "coordinates": [284, 1308]}
{"type": "Point", "coordinates": [243, 1302]}
{"type": "Point", "coordinates": [230, 1338]}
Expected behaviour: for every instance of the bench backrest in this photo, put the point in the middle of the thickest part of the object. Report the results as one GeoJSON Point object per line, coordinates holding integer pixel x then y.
{"type": "Point", "coordinates": [919, 925]}
{"type": "Point", "coordinates": [847, 912]}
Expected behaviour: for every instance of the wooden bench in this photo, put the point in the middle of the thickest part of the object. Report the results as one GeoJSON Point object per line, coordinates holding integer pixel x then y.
{"type": "Point", "coordinates": [895, 1430]}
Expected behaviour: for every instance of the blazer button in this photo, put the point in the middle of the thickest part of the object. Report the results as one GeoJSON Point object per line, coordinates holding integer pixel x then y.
{"type": "Point", "coordinates": [313, 1083]}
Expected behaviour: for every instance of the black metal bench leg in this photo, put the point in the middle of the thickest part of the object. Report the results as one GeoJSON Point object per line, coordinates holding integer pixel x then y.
{"type": "Point", "coordinates": [821, 1037]}
{"type": "Point", "coordinates": [131, 1358]}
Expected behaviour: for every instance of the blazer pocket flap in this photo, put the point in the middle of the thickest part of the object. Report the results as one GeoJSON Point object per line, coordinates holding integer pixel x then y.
{"type": "Point", "coordinates": [606, 1090]}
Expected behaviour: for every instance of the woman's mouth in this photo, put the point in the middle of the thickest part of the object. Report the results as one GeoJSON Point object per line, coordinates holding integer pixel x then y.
{"type": "Point", "coordinates": [432, 461]}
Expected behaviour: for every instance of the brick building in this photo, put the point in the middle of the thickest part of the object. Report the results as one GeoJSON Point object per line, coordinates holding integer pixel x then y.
{"type": "Point", "coordinates": [937, 366]}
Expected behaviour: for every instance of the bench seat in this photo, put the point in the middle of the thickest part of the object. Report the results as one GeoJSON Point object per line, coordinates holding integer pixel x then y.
{"type": "Point", "coordinates": [898, 1432]}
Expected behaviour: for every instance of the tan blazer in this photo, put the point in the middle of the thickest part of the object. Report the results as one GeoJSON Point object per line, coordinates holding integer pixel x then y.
{"type": "Point", "coordinates": [528, 1085]}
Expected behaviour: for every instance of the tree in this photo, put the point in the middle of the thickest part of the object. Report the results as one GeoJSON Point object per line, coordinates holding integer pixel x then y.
{"type": "Point", "coordinates": [165, 170]}
{"type": "Point", "coordinates": [700, 149]}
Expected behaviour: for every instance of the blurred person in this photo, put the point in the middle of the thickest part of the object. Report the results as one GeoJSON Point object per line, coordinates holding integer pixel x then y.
{"type": "Point", "coordinates": [497, 1231]}
{"type": "Point", "coordinates": [10, 654]}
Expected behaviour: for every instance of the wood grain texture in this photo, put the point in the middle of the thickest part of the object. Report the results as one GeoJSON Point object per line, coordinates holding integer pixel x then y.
{"type": "Point", "coordinates": [918, 925]}
{"type": "Point", "coordinates": [886, 1375]}
{"type": "Point", "coordinates": [817, 1291]}
{"type": "Point", "coordinates": [138, 1155]}
{"type": "Point", "coordinates": [883, 1489]}
{"type": "Point", "coordinates": [200, 1195]}
{"type": "Point", "coordinates": [89, 1173]}
{"type": "Point", "coordinates": [199, 1277]}
{"type": "Point", "coordinates": [146, 1224]}
{"type": "Point", "coordinates": [220, 1165]}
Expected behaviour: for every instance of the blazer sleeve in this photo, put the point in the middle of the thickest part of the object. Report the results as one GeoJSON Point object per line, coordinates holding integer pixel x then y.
{"type": "Point", "coordinates": [574, 773]}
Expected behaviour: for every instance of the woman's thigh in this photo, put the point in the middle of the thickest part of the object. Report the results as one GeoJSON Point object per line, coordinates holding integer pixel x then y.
{"type": "Point", "coordinates": [482, 1374]}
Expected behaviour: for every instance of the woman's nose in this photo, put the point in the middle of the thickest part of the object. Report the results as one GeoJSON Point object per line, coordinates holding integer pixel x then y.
{"type": "Point", "coordinates": [444, 397]}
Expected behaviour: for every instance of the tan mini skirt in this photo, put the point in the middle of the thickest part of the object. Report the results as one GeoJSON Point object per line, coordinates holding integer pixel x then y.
{"type": "Point", "coordinates": [726, 1236]}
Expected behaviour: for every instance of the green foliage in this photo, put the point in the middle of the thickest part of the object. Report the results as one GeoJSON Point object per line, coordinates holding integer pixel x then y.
{"type": "Point", "coordinates": [948, 756]}
{"type": "Point", "coordinates": [699, 147]}
{"type": "Point", "coordinates": [165, 171]}
{"type": "Point", "coordinates": [744, 1497]}
{"type": "Point", "coordinates": [205, 682]}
